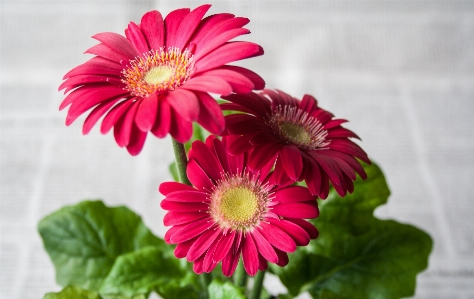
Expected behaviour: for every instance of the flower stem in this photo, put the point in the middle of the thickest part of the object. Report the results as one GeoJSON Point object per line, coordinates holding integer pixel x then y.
{"type": "Point", "coordinates": [181, 161]}
{"type": "Point", "coordinates": [240, 276]}
{"type": "Point", "coordinates": [205, 279]}
{"type": "Point", "coordinates": [257, 285]}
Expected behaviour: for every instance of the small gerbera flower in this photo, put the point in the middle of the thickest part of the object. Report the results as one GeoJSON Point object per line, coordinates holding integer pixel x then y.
{"type": "Point", "coordinates": [233, 211]}
{"type": "Point", "coordinates": [159, 76]}
{"type": "Point", "coordinates": [301, 140]}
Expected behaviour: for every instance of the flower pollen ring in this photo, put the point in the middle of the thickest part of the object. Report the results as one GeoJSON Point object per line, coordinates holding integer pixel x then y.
{"type": "Point", "coordinates": [158, 71]}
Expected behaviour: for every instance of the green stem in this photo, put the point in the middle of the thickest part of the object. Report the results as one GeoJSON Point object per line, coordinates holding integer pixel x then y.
{"type": "Point", "coordinates": [240, 276]}
{"type": "Point", "coordinates": [205, 279]}
{"type": "Point", "coordinates": [181, 161]}
{"type": "Point", "coordinates": [257, 285]}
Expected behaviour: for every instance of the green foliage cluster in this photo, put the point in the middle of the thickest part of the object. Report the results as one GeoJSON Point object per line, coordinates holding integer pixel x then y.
{"type": "Point", "coordinates": [104, 252]}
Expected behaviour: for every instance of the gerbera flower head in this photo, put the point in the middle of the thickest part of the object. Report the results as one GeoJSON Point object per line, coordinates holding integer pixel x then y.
{"type": "Point", "coordinates": [232, 211]}
{"type": "Point", "coordinates": [158, 77]}
{"type": "Point", "coordinates": [298, 138]}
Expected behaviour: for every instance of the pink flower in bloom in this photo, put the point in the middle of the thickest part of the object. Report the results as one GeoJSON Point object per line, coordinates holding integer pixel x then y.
{"type": "Point", "coordinates": [159, 76]}
{"type": "Point", "coordinates": [233, 211]}
{"type": "Point", "coordinates": [301, 140]}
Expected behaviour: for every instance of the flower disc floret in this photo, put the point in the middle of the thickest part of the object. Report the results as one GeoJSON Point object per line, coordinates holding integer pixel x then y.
{"type": "Point", "coordinates": [239, 202]}
{"type": "Point", "coordinates": [297, 127]}
{"type": "Point", "coordinates": [158, 71]}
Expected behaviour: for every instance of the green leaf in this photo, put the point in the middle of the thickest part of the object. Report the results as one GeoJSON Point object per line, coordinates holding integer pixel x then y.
{"type": "Point", "coordinates": [84, 241]}
{"type": "Point", "coordinates": [141, 271]}
{"type": "Point", "coordinates": [72, 292]}
{"type": "Point", "coordinates": [356, 254]}
{"type": "Point", "coordinates": [220, 290]}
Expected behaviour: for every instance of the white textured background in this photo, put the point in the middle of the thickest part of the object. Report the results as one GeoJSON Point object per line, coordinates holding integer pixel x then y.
{"type": "Point", "coordinates": [402, 72]}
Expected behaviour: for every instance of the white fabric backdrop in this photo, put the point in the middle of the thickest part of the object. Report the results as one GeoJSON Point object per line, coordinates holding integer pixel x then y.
{"type": "Point", "coordinates": [400, 71]}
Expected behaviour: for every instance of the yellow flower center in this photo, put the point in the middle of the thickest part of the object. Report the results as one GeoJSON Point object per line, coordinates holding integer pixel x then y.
{"type": "Point", "coordinates": [295, 133]}
{"type": "Point", "coordinates": [239, 204]}
{"type": "Point", "coordinates": [158, 71]}
{"type": "Point", "coordinates": [295, 126]}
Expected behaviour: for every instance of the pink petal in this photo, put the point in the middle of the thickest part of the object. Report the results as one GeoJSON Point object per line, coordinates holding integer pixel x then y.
{"type": "Point", "coordinates": [297, 210]}
{"type": "Point", "coordinates": [225, 243]}
{"type": "Point", "coordinates": [255, 103]}
{"type": "Point", "coordinates": [207, 160]}
{"type": "Point", "coordinates": [293, 194]}
{"type": "Point", "coordinates": [198, 177]}
{"type": "Point", "coordinates": [292, 161]}
{"type": "Point", "coordinates": [257, 81]}
{"type": "Point", "coordinates": [208, 84]}
{"type": "Point", "coordinates": [168, 187]}
{"type": "Point", "coordinates": [180, 129]}
{"type": "Point", "coordinates": [307, 226]}
{"type": "Point", "coordinates": [282, 258]}
{"type": "Point", "coordinates": [103, 51]}
{"type": "Point", "coordinates": [218, 41]}
{"type": "Point", "coordinates": [229, 52]}
{"type": "Point", "coordinates": [277, 237]}
{"type": "Point", "coordinates": [210, 114]}
{"type": "Point", "coordinates": [188, 196]}
{"type": "Point", "coordinates": [185, 103]}
{"type": "Point", "coordinates": [96, 66]}
{"type": "Point", "coordinates": [238, 82]}
{"type": "Point", "coordinates": [197, 266]}
{"type": "Point", "coordinates": [308, 103]}
{"type": "Point", "coordinates": [153, 29]}
{"type": "Point", "coordinates": [350, 148]}
{"type": "Point", "coordinates": [135, 35]}
{"type": "Point", "coordinates": [264, 247]}
{"type": "Point", "coordinates": [340, 132]}
{"type": "Point", "coordinates": [191, 230]}
{"type": "Point", "coordinates": [263, 137]}
{"type": "Point", "coordinates": [223, 25]}
{"type": "Point", "coordinates": [125, 130]}
{"type": "Point", "coordinates": [177, 218]}
{"type": "Point", "coordinates": [114, 115]}
{"type": "Point", "coordinates": [182, 248]}
{"type": "Point", "coordinates": [189, 25]}
{"type": "Point", "coordinates": [221, 154]}
{"type": "Point", "coordinates": [163, 121]}
{"type": "Point", "coordinates": [250, 255]}
{"type": "Point", "coordinates": [229, 263]}
{"type": "Point", "coordinates": [75, 81]}
{"type": "Point", "coordinates": [96, 114]}
{"type": "Point", "coordinates": [240, 145]}
{"type": "Point", "coordinates": [137, 140]}
{"type": "Point", "coordinates": [299, 235]}
{"type": "Point", "coordinates": [329, 166]}
{"type": "Point", "coordinates": [171, 232]}
{"type": "Point", "coordinates": [202, 244]}
{"type": "Point", "coordinates": [334, 123]}
{"type": "Point", "coordinates": [183, 206]}
{"type": "Point", "coordinates": [313, 177]}
{"type": "Point", "coordinates": [93, 98]}
{"type": "Point", "coordinates": [262, 155]}
{"type": "Point", "coordinates": [208, 24]}
{"type": "Point", "coordinates": [262, 263]}
{"type": "Point", "coordinates": [250, 126]}
{"type": "Point", "coordinates": [147, 113]}
{"type": "Point", "coordinates": [352, 162]}
{"type": "Point", "coordinates": [117, 43]}
{"type": "Point", "coordinates": [172, 22]}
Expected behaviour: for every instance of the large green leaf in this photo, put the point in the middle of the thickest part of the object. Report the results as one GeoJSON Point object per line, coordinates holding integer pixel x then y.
{"type": "Point", "coordinates": [144, 270]}
{"type": "Point", "coordinates": [356, 254]}
{"type": "Point", "coordinates": [75, 292]}
{"type": "Point", "coordinates": [84, 241]}
{"type": "Point", "coordinates": [72, 292]}
{"type": "Point", "coordinates": [224, 290]}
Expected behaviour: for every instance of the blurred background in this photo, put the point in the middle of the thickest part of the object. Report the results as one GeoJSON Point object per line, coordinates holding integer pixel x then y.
{"type": "Point", "coordinates": [401, 71]}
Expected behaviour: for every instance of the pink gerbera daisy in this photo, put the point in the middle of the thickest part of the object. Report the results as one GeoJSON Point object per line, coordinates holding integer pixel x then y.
{"type": "Point", "coordinates": [233, 211]}
{"type": "Point", "coordinates": [301, 140]}
{"type": "Point", "coordinates": [159, 76]}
